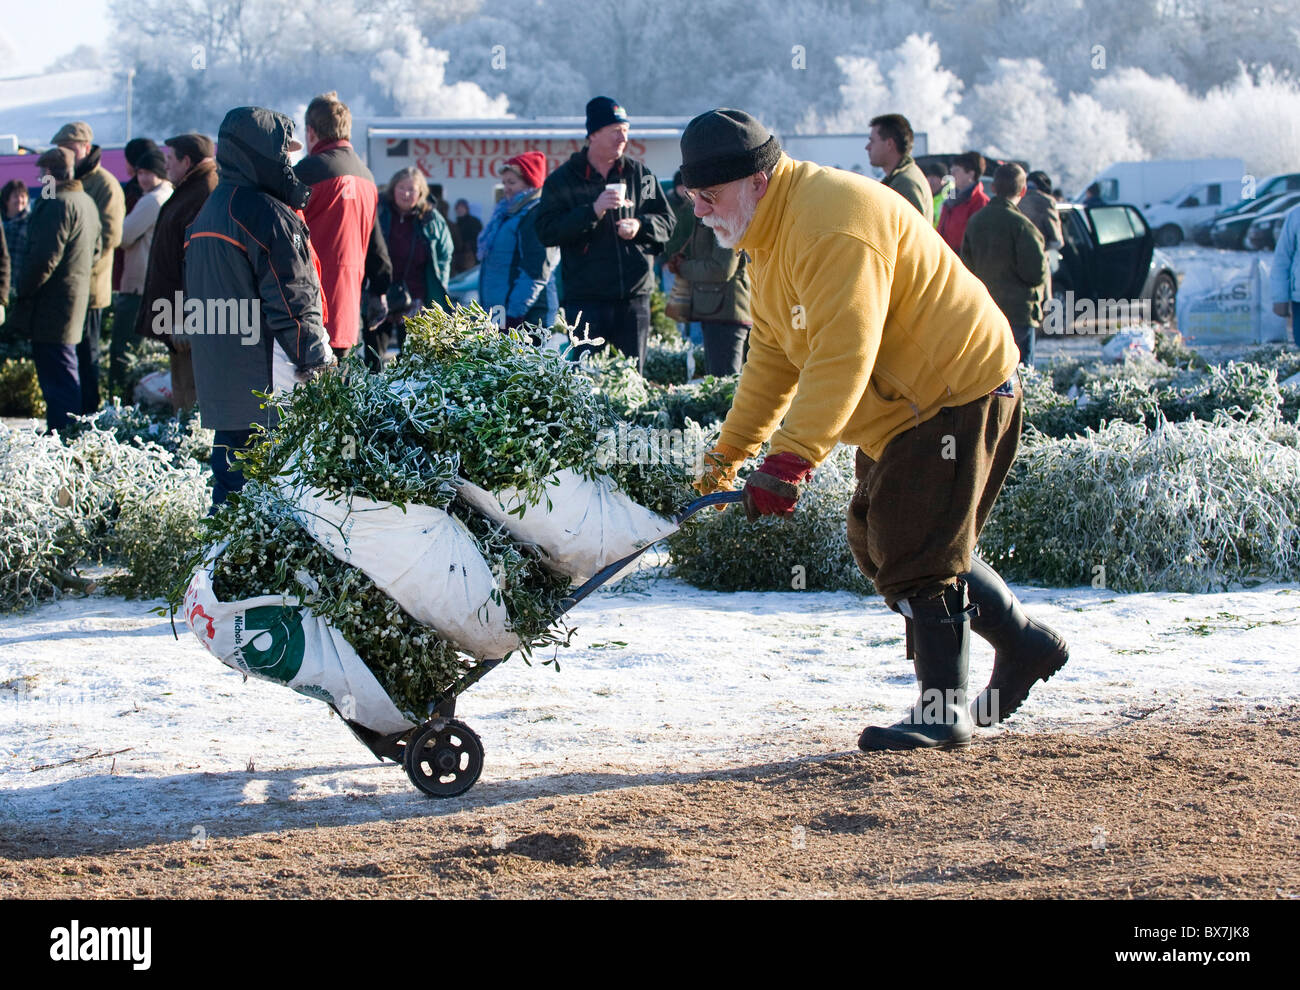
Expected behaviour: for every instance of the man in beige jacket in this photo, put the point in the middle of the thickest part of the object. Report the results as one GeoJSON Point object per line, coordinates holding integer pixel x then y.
{"type": "Point", "coordinates": [100, 185]}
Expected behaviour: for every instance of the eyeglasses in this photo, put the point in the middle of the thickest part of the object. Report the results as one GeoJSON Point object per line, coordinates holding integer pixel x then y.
{"type": "Point", "coordinates": [709, 196]}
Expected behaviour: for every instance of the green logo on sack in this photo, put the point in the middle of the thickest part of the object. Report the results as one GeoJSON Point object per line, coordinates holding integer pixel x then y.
{"type": "Point", "coordinates": [271, 642]}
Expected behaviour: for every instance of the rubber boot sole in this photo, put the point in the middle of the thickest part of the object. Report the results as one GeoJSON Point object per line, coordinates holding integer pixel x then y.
{"type": "Point", "coordinates": [878, 739]}
{"type": "Point", "coordinates": [982, 711]}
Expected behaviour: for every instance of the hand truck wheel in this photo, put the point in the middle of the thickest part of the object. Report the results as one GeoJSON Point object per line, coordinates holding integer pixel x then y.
{"type": "Point", "coordinates": [444, 759]}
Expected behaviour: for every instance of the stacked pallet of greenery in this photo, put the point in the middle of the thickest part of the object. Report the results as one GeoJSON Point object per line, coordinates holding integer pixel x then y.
{"type": "Point", "coordinates": [1190, 506]}
{"type": "Point", "coordinates": [1190, 484]}
{"type": "Point", "coordinates": [1066, 400]}
{"type": "Point", "coordinates": [465, 401]}
{"type": "Point", "coordinates": [93, 500]}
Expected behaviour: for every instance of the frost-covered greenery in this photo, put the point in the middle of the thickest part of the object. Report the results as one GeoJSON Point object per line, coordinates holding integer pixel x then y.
{"type": "Point", "coordinates": [724, 551]}
{"type": "Point", "coordinates": [1067, 399]}
{"type": "Point", "coordinates": [674, 361]}
{"type": "Point", "coordinates": [180, 434]}
{"type": "Point", "coordinates": [93, 500]}
{"type": "Point", "coordinates": [20, 391]}
{"type": "Point", "coordinates": [1190, 506]}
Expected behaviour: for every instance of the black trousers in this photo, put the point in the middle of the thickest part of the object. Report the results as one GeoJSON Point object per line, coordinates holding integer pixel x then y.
{"type": "Point", "coordinates": [624, 323]}
{"type": "Point", "coordinates": [56, 370]}
{"type": "Point", "coordinates": [724, 347]}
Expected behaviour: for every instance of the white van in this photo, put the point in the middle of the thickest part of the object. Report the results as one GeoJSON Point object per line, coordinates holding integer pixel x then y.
{"type": "Point", "coordinates": [1173, 218]}
{"type": "Point", "coordinates": [1143, 184]}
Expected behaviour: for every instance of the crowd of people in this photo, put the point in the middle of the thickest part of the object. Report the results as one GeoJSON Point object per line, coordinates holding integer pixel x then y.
{"type": "Point", "coordinates": [849, 317]}
{"type": "Point", "coordinates": [591, 239]}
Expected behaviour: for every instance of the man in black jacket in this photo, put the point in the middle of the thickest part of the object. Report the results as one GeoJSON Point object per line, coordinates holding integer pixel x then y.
{"type": "Point", "coordinates": [253, 301]}
{"type": "Point", "coordinates": [607, 236]}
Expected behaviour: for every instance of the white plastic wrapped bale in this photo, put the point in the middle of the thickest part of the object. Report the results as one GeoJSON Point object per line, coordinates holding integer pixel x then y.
{"type": "Point", "coordinates": [422, 558]}
{"type": "Point", "coordinates": [277, 639]}
{"type": "Point", "coordinates": [154, 389]}
{"type": "Point", "coordinates": [580, 526]}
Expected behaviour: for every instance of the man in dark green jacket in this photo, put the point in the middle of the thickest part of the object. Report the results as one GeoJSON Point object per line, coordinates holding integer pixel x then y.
{"type": "Point", "coordinates": [889, 146]}
{"type": "Point", "coordinates": [106, 193]}
{"type": "Point", "coordinates": [1004, 248]}
{"type": "Point", "coordinates": [719, 283]}
{"type": "Point", "coordinates": [53, 289]}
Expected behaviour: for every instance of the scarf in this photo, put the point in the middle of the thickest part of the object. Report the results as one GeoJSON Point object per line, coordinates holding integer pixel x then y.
{"type": "Point", "coordinates": [505, 208]}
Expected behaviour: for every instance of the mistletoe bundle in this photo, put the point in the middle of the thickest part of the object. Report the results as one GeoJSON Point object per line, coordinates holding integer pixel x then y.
{"type": "Point", "coordinates": [437, 514]}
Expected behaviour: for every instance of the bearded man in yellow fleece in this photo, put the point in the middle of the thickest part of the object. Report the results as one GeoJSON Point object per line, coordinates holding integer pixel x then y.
{"type": "Point", "coordinates": [869, 330]}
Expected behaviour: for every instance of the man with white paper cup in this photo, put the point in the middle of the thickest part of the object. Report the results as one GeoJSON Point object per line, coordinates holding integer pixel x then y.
{"type": "Point", "coordinates": [869, 330]}
{"type": "Point", "coordinates": [609, 218]}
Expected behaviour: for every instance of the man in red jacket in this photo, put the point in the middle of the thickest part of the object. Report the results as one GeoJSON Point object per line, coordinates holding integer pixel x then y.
{"type": "Point", "coordinates": [968, 198]}
{"type": "Point", "coordinates": [341, 218]}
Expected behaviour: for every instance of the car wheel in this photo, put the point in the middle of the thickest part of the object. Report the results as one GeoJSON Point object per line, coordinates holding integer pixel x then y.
{"type": "Point", "coordinates": [1164, 298]}
{"type": "Point", "coordinates": [1169, 235]}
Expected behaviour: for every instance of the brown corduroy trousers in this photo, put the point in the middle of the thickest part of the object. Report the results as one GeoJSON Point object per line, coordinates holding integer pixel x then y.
{"type": "Point", "coordinates": [917, 512]}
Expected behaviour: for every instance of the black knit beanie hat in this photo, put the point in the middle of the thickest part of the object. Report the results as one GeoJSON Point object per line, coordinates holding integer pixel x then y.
{"type": "Point", "coordinates": [603, 111]}
{"type": "Point", "coordinates": [725, 145]}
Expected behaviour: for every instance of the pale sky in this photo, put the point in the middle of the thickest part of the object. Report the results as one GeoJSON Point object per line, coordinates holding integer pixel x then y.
{"type": "Point", "coordinates": [34, 34]}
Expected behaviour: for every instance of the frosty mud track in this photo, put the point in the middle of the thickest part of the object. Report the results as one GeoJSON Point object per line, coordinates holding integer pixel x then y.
{"type": "Point", "coordinates": [693, 744]}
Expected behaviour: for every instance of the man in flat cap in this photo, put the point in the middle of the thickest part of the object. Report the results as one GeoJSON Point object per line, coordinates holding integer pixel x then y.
{"type": "Point", "coordinates": [101, 186]}
{"type": "Point", "coordinates": [869, 330]}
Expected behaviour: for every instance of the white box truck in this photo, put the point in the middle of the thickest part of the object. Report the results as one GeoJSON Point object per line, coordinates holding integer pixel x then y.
{"type": "Point", "coordinates": [465, 156]}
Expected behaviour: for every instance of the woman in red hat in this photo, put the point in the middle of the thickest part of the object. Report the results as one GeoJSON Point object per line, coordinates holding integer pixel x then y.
{"type": "Point", "coordinates": [517, 273]}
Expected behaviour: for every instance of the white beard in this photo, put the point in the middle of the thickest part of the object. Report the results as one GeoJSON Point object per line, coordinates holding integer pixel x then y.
{"type": "Point", "coordinates": [726, 235]}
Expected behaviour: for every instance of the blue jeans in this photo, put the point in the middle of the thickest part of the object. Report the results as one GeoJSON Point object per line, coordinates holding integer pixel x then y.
{"type": "Point", "coordinates": [226, 477]}
{"type": "Point", "coordinates": [57, 372]}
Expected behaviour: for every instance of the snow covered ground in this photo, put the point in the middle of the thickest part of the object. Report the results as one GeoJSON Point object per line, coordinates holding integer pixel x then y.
{"type": "Point", "coordinates": [667, 680]}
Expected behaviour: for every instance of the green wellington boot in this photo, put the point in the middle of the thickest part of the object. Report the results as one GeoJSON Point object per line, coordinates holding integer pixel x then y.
{"type": "Point", "coordinates": [1025, 651]}
{"type": "Point", "coordinates": [940, 634]}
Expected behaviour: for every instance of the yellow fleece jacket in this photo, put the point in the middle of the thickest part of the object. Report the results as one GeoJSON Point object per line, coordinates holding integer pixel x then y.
{"type": "Point", "coordinates": [865, 322]}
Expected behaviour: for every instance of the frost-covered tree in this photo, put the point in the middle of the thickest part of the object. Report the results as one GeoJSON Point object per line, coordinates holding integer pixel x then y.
{"type": "Point", "coordinates": [913, 83]}
{"type": "Point", "coordinates": [414, 75]}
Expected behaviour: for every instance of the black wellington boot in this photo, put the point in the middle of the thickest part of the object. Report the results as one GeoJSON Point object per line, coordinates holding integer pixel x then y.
{"type": "Point", "coordinates": [940, 634]}
{"type": "Point", "coordinates": [1024, 651]}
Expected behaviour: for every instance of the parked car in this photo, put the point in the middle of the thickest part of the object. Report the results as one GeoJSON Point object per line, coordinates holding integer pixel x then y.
{"type": "Point", "coordinates": [1274, 185]}
{"type": "Point", "coordinates": [463, 288]}
{"type": "Point", "coordinates": [1174, 217]}
{"type": "Point", "coordinates": [1230, 232]}
{"type": "Point", "coordinates": [1262, 234]}
{"type": "Point", "coordinates": [1110, 254]}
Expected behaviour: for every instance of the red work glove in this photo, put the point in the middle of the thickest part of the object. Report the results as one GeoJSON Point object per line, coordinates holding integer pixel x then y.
{"type": "Point", "coordinates": [773, 489]}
